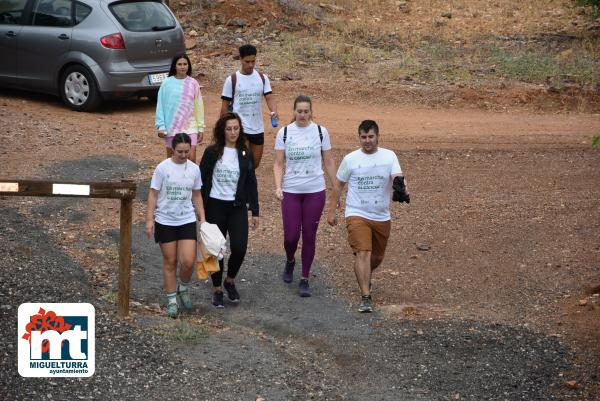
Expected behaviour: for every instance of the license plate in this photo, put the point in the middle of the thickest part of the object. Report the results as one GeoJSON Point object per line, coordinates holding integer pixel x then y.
{"type": "Point", "coordinates": [157, 79]}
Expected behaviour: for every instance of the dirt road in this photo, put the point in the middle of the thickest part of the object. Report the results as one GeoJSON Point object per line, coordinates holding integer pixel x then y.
{"type": "Point", "coordinates": [506, 204]}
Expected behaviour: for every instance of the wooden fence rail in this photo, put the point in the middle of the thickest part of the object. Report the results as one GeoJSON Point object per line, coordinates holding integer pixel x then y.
{"type": "Point", "coordinates": [124, 190]}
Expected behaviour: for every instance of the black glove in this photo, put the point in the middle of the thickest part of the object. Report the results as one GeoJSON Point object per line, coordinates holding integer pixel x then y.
{"type": "Point", "coordinates": [400, 193]}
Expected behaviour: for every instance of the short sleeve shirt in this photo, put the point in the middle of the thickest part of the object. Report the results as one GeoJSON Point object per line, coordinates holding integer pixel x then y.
{"type": "Point", "coordinates": [175, 183]}
{"type": "Point", "coordinates": [249, 91]}
{"type": "Point", "coordinates": [369, 183]}
{"type": "Point", "coordinates": [226, 176]}
{"type": "Point", "coordinates": [303, 167]}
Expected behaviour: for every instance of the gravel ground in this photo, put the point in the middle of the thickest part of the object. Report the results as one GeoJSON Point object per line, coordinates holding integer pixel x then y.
{"type": "Point", "coordinates": [274, 345]}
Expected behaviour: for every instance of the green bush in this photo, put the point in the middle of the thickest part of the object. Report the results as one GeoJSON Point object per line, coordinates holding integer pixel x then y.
{"type": "Point", "coordinates": [594, 4]}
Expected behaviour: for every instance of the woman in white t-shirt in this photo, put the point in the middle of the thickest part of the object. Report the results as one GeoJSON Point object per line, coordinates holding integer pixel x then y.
{"type": "Point", "coordinates": [229, 189]}
{"type": "Point", "coordinates": [302, 148]}
{"type": "Point", "coordinates": [174, 205]}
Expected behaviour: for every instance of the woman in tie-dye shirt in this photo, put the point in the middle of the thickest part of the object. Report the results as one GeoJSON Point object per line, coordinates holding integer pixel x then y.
{"type": "Point", "coordinates": [179, 107]}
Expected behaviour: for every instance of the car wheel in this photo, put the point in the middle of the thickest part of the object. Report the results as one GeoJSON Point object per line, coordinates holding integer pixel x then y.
{"type": "Point", "coordinates": [78, 89]}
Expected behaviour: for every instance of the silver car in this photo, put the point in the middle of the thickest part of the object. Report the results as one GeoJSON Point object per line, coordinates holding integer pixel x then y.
{"type": "Point", "coordinates": [87, 50]}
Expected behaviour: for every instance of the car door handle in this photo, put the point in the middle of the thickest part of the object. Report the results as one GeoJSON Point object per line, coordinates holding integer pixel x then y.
{"type": "Point", "coordinates": [11, 34]}
{"type": "Point", "coordinates": [63, 37]}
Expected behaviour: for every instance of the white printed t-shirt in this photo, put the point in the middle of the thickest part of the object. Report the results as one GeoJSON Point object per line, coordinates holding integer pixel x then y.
{"type": "Point", "coordinates": [303, 171]}
{"type": "Point", "coordinates": [249, 91]}
{"type": "Point", "coordinates": [369, 183]}
{"type": "Point", "coordinates": [226, 176]}
{"type": "Point", "coordinates": [174, 183]}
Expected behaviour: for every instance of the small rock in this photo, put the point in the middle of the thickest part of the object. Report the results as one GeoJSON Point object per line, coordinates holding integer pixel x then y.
{"type": "Point", "coordinates": [572, 384]}
{"type": "Point", "coordinates": [593, 289]}
{"type": "Point", "coordinates": [447, 14]}
{"type": "Point", "coordinates": [456, 396]}
{"type": "Point", "coordinates": [193, 33]}
{"type": "Point", "coordinates": [583, 302]}
{"type": "Point", "coordinates": [182, 3]}
{"type": "Point", "coordinates": [552, 13]}
{"type": "Point", "coordinates": [252, 2]}
{"type": "Point", "coordinates": [423, 247]}
{"type": "Point", "coordinates": [331, 7]}
{"type": "Point", "coordinates": [238, 22]}
{"type": "Point", "coordinates": [190, 43]}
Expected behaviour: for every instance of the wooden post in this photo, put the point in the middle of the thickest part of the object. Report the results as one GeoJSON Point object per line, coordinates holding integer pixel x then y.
{"type": "Point", "coordinates": [125, 256]}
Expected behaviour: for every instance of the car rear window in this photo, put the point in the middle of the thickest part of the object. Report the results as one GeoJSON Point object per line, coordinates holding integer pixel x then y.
{"type": "Point", "coordinates": [143, 16]}
{"type": "Point", "coordinates": [81, 12]}
{"type": "Point", "coordinates": [11, 11]}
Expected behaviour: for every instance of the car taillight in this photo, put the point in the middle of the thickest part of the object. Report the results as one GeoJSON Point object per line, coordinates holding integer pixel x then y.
{"type": "Point", "coordinates": [114, 41]}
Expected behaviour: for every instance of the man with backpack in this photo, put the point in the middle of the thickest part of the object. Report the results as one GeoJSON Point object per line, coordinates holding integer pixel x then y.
{"type": "Point", "coordinates": [242, 94]}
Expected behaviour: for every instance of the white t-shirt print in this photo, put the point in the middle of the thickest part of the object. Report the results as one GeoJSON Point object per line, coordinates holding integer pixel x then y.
{"type": "Point", "coordinates": [226, 176]}
{"type": "Point", "coordinates": [369, 183]}
{"type": "Point", "coordinates": [175, 183]}
{"type": "Point", "coordinates": [249, 91]}
{"type": "Point", "coordinates": [303, 158]}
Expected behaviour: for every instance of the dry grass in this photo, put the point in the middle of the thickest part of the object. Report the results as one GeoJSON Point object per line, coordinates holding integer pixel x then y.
{"type": "Point", "coordinates": [391, 40]}
{"type": "Point", "coordinates": [297, 48]}
{"type": "Point", "coordinates": [470, 18]}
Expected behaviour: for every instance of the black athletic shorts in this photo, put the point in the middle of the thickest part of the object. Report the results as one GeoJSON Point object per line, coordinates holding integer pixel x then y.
{"type": "Point", "coordinates": [256, 139]}
{"type": "Point", "coordinates": [164, 234]}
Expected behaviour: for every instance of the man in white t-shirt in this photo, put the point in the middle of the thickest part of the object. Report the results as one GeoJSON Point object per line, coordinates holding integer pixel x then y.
{"type": "Point", "coordinates": [369, 173]}
{"type": "Point", "coordinates": [242, 94]}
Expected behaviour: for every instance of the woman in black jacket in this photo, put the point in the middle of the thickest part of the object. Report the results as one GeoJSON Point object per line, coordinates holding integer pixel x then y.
{"type": "Point", "coordinates": [229, 189]}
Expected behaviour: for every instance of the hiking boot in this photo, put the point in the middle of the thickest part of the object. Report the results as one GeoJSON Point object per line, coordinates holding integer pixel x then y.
{"type": "Point", "coordinates": [366, 304]}
{"type": "Point", "coordinates": [186, 300]}
{"type": "Point", "coordinates": [303, 288]}
{"type": "Point", "coordinates": [232, 293]}
{"type": "Point", "coordinates": [173, 310]}
{"type": "Point", "coordinates": [288, 272]}
{"type": "Point", "coordinates": [217, 299]}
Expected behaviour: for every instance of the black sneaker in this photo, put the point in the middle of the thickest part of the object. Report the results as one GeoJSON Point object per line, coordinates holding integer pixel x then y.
{"type": "Point", "coordinates": [303, 288]}
{"type": "Point", "coordinates": [288, 272]}
{"type": "Point", "coordinates": [232, 293]}
{"type": "Point", "coordinates": [366, 304]}
{"type": "Point", "coordinates": [217, 299]}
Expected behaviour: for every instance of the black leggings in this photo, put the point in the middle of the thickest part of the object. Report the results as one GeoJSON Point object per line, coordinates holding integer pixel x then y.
{"type": "Point", "coordinates": [232, 219]}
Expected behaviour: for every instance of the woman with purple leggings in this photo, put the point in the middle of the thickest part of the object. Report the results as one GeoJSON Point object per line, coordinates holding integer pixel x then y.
{"type": "Point", "coordinates": [302, 147]}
